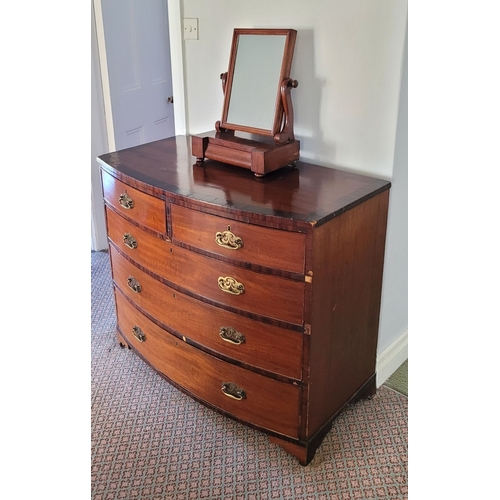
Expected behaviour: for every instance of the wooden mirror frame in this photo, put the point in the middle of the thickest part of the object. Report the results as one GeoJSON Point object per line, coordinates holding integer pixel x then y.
{"type": "Point", "coordinates": [282, 127]}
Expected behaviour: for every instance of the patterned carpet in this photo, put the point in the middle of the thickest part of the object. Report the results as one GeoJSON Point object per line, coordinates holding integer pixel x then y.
{"type": "Point", "coordinates": [152, 442]}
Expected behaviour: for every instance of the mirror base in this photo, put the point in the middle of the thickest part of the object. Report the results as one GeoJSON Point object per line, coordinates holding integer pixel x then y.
{"type": "Point", "coordinates": [261, 157]}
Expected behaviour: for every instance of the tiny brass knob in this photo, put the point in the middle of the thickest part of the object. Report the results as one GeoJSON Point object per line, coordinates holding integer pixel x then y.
{"type": "Point", "coordinates": [231, 390]}
{"type": "Point", "coordinates": [139, 334]}
{"type": "Point", "coordinates": [129, 241]}
{"type": "Point", "coordinates": [126, 201]}
{"type": "Point", "coordinates": [230, 285]}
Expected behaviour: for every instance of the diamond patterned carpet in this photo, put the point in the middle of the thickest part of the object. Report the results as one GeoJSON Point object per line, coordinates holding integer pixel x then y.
{"type": "Point", "coordinates": [152, 442]}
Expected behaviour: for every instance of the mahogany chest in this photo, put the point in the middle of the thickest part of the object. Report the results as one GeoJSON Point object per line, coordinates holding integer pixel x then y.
{"type": "Point", "coordinates": [258, 297]}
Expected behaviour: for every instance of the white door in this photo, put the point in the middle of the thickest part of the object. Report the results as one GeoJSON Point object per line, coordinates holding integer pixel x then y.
{"type": "Point", "coordinates": [139, 71]}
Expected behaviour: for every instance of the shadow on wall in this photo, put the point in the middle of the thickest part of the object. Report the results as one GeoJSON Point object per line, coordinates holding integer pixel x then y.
{"type": "Point", "coordinates": [306, 100]}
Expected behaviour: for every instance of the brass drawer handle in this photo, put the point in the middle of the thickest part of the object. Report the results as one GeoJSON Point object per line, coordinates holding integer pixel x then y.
{"type": "Point", "coordinates": [126, 201]}
{"type": "Point", "coordinates": [230, 285]}
{"type": "Point", "coordinates": [130, 241]}
{"type": "Point", "coordinates": [134, 285]}
{"type": "Point", "coordinates": [231, 335]}
{"type": "Point", "coordinates": [227, 239]}
{"type": "Point", "coordinates": [139, 334]}
{"type": "Point", "coordinates": [233, 391]}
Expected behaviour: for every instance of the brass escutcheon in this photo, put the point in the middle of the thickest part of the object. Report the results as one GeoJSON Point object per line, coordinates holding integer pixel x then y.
{"type": "Point", "coordinates": [139, 334]}
{"type": "Point", "coordinates": [233, 391]}
{"type": "Point", "coordinates": [230, 285]}
{"type": "Point", "coordinates": [126, 201]}
{"type": "Point", "coordinates": [134, 284]}
{"type": "Point", "coordinates": [130, 241]}
{"type": "Point", "coordinates": [231, 335]}
{"type": "Point", "coordinates": [227, 239]}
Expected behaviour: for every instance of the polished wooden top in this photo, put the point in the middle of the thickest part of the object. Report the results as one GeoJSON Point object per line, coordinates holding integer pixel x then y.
{"type": "Point", "coordinates": [306, 195]}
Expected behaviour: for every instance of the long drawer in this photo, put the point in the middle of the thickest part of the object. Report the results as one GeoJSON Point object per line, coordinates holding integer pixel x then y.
{"type": "Point", "coordinates": [263, 246]}
{"type": "Point", "coordinates": [141, 207]}
{"type": "Point", "coordinates": [264, 402]}
{"type": "Point", "coordinates": [268, 347]}
{"type": "Point", "coordinates": [243, 289]}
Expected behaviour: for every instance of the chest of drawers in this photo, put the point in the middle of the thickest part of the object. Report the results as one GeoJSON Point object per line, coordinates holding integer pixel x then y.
{"type": "Point", "coordinates": [259, 298]}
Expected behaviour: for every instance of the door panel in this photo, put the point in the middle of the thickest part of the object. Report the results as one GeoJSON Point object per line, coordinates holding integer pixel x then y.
{"type": "Point", "coordinates": [138, 56]}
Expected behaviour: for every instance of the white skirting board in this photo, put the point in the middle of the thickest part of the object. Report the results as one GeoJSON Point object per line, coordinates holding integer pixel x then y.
{"type": "Point", "coordinates": [392, 358]}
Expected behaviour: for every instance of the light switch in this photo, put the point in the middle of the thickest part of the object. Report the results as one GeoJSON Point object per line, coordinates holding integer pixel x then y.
{"type": "Point", "coordinates": [190, 29]}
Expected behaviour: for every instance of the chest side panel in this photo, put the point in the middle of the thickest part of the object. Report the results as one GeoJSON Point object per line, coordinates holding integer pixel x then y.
{"type": "Point", "coordinates": [348, 257]}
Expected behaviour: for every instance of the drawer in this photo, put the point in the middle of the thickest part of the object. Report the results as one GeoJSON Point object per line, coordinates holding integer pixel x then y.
{"type": "Point", "coordinates": [263, 246]}
{"type": "Point", "coordinates": [268, 403]}
{"type": "Point", "coordinates": [269, 347]}
{"type": "Point", "coordinates": [141, 207]}
{"type": "Point", "coordinates": [250, 291]}
{"type": "Point", "coordinates": [145, 248]}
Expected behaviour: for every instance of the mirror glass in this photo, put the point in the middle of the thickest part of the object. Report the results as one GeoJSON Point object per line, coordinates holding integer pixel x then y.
{"type": "Point", "coordinates": [257, 84]}
{"type": "Point", "coordinates": [256, 80]}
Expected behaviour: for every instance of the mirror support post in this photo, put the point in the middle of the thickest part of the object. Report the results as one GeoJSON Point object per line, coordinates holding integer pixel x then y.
{"type": "Point", "coordinates": [286, 134]}
{"type": "Point", "coordinates": [223, 77]}
{"type": "Point", "coordinates": [218, 127]}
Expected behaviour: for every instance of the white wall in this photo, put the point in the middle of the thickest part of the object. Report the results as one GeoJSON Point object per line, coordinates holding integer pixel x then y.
{"type": "Point", "coordinates": [347, 61]}
{"type": "Point", "coordinates": [394, 309]}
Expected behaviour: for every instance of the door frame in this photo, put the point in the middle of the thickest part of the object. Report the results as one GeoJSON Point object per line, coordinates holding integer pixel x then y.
{"type": "Point", "coordinates": [103, 65]}
{"type": "Point", "coordinates": [178, 87]}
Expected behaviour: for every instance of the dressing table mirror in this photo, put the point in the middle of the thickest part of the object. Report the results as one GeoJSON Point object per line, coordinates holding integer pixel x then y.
{"type": "Point", "coordinates": [256, 129]}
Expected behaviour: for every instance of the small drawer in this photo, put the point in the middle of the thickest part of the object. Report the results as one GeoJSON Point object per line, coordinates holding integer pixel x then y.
{"type": "Point", "coordinates": [141, 207]}
{"type": "Point", "coordinates": [246, 395]}
{"type": "Point", "coordinates": [145, 248]}
{"type": "Point", "coordinates": [226, 284]}
{"type": "Point", "coordinates": [258, 245]}
{"type": "Point", "coordinates": [264, 346]}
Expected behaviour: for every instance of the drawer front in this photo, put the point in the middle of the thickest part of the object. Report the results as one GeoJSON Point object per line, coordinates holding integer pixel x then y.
{"type": "Point", "coordinates": [139, 206]}
{"type": "Point", "coordinates": [265, 346]}
{"type": "Point", "coordinates": [268, 403]}
{"type": "Point", "coordinates": [143, 247]}
{"type": "Point", "coordinates": [258, 245]}
{"type": "Point", "coordinates": [259, 293]}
